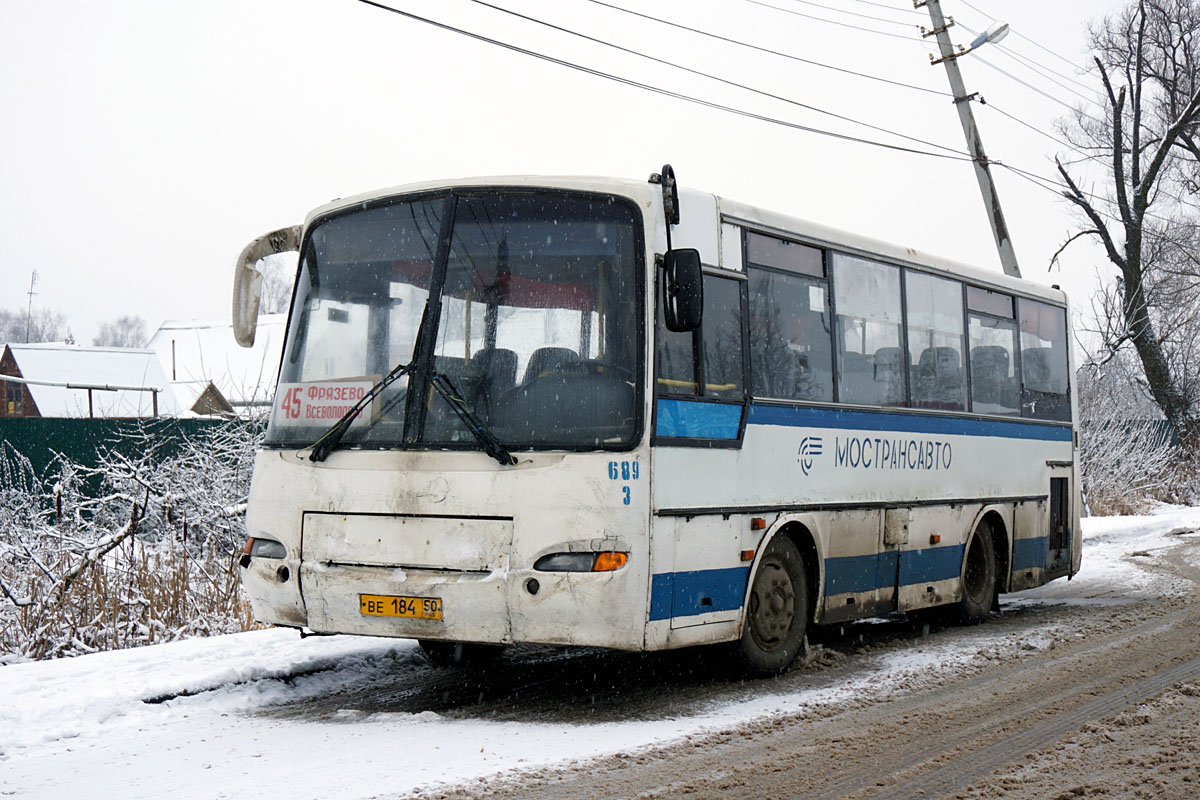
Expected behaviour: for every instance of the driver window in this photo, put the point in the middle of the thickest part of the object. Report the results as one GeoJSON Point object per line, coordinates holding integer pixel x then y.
{"type": "Point", "coordinates": [720, 341]}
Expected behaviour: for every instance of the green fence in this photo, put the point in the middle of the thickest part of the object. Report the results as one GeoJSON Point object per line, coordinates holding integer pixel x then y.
{"type": "Point", "coordinates": [82, 440]}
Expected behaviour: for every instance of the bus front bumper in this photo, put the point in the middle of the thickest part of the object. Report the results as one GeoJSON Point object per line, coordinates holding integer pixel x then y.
{"type": "Point", "coordinates": [445, 578]}
{"type": "Point", "coordinates": [502, 606]}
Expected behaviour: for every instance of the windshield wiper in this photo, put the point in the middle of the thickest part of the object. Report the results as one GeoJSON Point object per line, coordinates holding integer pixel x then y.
{"type": "Point", "coordinates": [487, 440]}
{"type": "Point", "coordinates": [449, 392]}
{"type": "Point", "coordinates": [322, 447]}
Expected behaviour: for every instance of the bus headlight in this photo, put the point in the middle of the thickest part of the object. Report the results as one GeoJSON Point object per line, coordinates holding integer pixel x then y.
{"type": "Point", "coordinates": [605, 561]}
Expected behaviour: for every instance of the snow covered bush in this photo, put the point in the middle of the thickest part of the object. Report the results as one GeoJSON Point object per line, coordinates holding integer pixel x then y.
{"type": "Point", "coordinates": [137, 550]}
{"type": "Point", "coordinates": [1126, 453]}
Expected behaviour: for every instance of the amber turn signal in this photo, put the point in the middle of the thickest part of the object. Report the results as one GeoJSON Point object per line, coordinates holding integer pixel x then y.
{"type": "Point", "coordinates": [607, 561]}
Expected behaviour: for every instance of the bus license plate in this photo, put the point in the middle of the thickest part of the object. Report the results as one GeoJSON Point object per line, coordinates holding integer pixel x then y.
{"type": "Point", "coordinates": [382, 605]}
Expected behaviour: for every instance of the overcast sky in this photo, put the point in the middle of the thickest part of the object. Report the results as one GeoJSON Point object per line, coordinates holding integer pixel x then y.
{"type": "Point", "coordinates": [146, 141]}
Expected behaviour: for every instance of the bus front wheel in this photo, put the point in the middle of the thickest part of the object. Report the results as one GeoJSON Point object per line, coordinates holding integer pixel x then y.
{"type": "Point", "coordinates": [776, 612]}
{"type": "Point", "coordinates": [978, 577]}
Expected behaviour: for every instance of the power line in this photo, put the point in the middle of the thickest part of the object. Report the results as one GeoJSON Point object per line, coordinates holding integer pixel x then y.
{"type": "Point", "coordinates": [1026, 84]}
{"type": "Point", "coordinates": [1054, 186]}
{"type": "Point", "coordinates": [710, 76]}
{"type": "Point", "coordinates": [1032, 65]}
{"type": "Point", "coordinates": [1042, 69]}
{"type": "Point", "coordinates": [832, 22]}
{"type": "Point", "coordinates": [891, 8]}
{"type": "Point", "coordinates": [1042, 181]}
{"type": "Point", "coordinates": [1063, 103]}
{"type": "Point", "coordinates": [1021, 35]}
{"type": "Point", "coordinates": [952, 155]}
{"type": "Point", "coordinates": [1047, 49]}
{"type": "Point", "coordinates": [853, 13]}
{"type": "Point", "coordinates": [770, 51]}
{"type": "Point", "coordinates": [1033, 128]}
{"type": "Point", "coordinates": [1090, 101]}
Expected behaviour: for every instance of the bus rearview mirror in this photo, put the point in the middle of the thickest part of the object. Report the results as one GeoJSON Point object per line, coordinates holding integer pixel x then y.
{"type": "Point", "coordinates": [683, 290]}
{"type": "Point", "coordinates": [247, 279]}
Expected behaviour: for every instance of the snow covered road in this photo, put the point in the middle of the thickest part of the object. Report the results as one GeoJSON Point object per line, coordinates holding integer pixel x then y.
{"type": "Point", "coordinates": [267, 713]}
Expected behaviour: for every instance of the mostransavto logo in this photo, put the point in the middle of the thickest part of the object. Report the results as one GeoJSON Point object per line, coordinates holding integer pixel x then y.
{"type": "Point", "coordinates": [810, 447]}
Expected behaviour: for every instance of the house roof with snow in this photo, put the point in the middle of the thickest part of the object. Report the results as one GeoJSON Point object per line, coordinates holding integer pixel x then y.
{"type": "Point", "coordinates": [196, 353]}
{"type": "Point", "coordinates": [122, 380]}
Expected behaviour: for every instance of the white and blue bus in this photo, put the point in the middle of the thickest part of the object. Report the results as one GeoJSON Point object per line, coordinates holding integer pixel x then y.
{"type": "Point", "coordinates": [584, 411]}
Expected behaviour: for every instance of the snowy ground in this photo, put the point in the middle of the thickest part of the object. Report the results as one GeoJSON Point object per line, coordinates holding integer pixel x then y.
{"type": "Point", "coordinates": [99, 726]}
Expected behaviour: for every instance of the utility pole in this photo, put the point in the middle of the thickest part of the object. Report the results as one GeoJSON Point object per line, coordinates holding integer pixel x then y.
{"type": "Point", "coordinates": [962, 100]}
{"type": "Point", "coordinates": [29, 308]}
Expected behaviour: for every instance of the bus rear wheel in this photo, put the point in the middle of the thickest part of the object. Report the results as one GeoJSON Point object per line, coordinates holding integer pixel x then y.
{"type": "Point", "coordinates": [776, 612]}
{"type": "Point", "coordinates": [978, 577]}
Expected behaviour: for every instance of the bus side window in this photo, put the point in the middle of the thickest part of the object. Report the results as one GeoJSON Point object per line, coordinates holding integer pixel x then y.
{"type": "Point", "coordinates": [935, 342]}
{"type": "Point", "coordinates": [992, 333]}
{"type": "Point", "coordinates": [1044, 372]}
{"type": "Point", "coordinates": [791, 348]}
{"type": "Point", "coordinates": [723, 366]}
{"type": "Point", "coordinates": [674, 365]}
{"type": "Point", "coordinates": [867, 303]}
{"type": "Point", "coordinates": [791, 353]}
{"type": "Point", "coordinates": [721, 335]}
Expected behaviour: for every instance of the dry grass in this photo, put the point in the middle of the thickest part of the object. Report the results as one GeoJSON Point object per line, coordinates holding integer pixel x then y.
{"type": "Point", "coordinates": [137, 595]}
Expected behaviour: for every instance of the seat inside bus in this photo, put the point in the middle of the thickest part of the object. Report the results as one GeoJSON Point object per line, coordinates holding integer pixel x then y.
{"type": "Point", "coordinates": [600, 400]}
{"type": "Point", "coordinates": [547, 360]}
{"type": "Point", "coordinates": [889, 375]}
{"type": "Point", "coordinates": [990, 381]}
{"type": "Point", "coordinates": [489, 374]}
{"type": "Point", "coordinates": [937, 379]}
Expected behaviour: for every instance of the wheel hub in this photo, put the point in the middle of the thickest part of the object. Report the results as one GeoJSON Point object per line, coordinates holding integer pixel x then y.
{"type": "Point", "coordinates": [773, 605]}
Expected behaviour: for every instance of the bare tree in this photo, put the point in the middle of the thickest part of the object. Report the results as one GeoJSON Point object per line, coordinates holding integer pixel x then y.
{"type": "Point", "coordinates": [279, 274]}
{"type": "Point", "coordinates": [124, 331]}
{"type": "Point", "coordinates": [1146, 145]}
{"type": "Point", "coordinates": [35, 325]}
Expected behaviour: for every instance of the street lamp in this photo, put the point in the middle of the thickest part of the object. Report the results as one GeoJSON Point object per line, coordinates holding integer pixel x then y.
{"type": "Point", "coordinates": [983, 175]}
{"type": "Point", "coordinates": [995, 32]}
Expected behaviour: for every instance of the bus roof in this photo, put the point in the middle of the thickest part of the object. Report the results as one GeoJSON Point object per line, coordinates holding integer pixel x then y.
{"type": "Point", "coordinates": [754, 217]}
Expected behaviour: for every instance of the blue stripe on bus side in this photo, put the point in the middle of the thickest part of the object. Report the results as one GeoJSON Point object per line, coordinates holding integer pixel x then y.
{"type": "Point", "coordinates": [660, 595]}
{"type": "Point", "coordinates": [854, 419]}
{"type": "Point", "coordinates": [689, 419]}
{"type": "Point", "coordinates": [856, 574]}
{"type": "Point", "coordinates": [681, 594]}
{"type": "Point", "coordinates": [931, 564]}
{"type": "Point", "coordinates": [1030, 553]}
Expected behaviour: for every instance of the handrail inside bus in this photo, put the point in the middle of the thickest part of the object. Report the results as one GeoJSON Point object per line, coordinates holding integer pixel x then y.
{"type": "Point", "coordinates": [708, 387]}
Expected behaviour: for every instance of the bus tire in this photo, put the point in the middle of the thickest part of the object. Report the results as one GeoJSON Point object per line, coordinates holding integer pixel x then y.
{"type": "Point", "coordinates": [978, 577]}
{"type": "Point", "coordinates": [776, 611]}
{"type": "Point", "coordinates": [458, 654]}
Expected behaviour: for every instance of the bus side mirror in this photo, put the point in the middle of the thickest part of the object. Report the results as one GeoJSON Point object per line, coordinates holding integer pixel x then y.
{"type": "Point", "coordinates": [683, 290]}
{"type": "Point", "coordinates": [247, 280]}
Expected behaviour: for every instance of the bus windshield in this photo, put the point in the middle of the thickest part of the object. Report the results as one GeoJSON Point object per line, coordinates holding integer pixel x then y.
{"type": "Point", "coordinates": [530, 309]}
